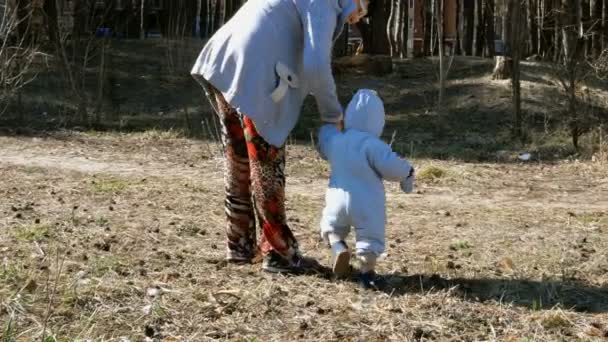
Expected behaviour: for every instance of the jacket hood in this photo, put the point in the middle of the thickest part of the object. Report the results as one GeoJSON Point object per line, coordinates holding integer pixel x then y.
{"type": "Point", "coordinates": [365, 113]}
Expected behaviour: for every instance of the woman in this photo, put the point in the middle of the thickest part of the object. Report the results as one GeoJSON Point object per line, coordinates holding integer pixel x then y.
{"type": "Point", "coordinates": [257, 70]}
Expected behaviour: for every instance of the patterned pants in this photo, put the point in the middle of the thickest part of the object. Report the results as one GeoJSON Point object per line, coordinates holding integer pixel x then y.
{"type": "Point", "coordinates": [252, 166]}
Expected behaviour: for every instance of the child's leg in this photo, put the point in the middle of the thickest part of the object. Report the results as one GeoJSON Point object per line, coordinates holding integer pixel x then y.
{"type": "Point", "coordinates": [335, 225]}
{"type": "Point", "coordinates": [334, 230]}
{"type": "Point", "coordinates": [370, 244]}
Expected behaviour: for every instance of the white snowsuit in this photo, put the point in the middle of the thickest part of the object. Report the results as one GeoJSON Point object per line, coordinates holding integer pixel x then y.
{"type": "Point", "coordinates": [359, 162]}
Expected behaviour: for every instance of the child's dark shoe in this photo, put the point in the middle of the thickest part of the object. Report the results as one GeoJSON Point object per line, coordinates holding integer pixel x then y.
{"type": "Point", "coordinates": [371, 281]}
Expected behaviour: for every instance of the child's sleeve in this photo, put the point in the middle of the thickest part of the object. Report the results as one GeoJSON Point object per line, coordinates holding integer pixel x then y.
{"type": "Point", "coordinates": [386, 162]}
{"type": "Point", "coordinates": [326, 135]}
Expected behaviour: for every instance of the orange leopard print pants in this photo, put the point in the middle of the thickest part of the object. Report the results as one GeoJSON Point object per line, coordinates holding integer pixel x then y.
{"type": "Point", "coordinates": [255, 181]}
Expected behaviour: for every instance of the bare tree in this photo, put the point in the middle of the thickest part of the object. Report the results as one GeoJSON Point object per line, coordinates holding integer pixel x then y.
{"type": "Point", "coordinates": [444, 63]}
{"type": "Point", "coordinates": [17, 53]}
{"type": "Point", "coordinates": [503, 66]}
{"type": "Point", "coordinates": [596, 24]}
{"type": "Point", "coordinates": [469, 25]}
{"type": "Point", "coordinates": [197, 29]}
{"type": "Point", "coordinates": [489, 28]}
{"type": "Point", "coordinates": [517, 37]}
{"type": "Point", "coordinates": [531, 15]}
{"type": "Point", "coordinates": [81, 51]}
{"type": "Point", "coordinates": [460, 27]}
{"type": "Point", "coordinates": [570, 66]}
{"type": "Point", "coordinates": [396, 28]}
{"type": "Point", "coordinates": [142, 33]}
{"type": "Point", "coordinates": [439, 6]}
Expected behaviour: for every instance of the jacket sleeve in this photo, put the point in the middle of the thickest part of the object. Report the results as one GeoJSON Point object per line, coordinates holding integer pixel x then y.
{"type": "Point", "coordinates": [319, 22]}
{"type": "Point", "coordinates": [326, 135]}
{"type": "Point", "coordinates": [386, 162]}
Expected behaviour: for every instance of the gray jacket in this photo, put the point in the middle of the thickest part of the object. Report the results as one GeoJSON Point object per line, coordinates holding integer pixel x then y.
{"type": "Point", "coordinates": [271, 55]}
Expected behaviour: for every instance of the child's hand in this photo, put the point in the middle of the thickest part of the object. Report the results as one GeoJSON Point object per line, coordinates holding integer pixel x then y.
{"type": "Point", "coordinates": [407, 185]}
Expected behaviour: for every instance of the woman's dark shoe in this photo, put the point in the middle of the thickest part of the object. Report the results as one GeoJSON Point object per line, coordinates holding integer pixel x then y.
{"type": "Point", "coordinates": [238, 258]}
{"type": "Point", "coordinates": [276, 263]}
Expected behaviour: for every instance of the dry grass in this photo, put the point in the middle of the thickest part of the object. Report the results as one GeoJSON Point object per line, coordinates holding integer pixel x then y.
{"type": "Point", "coordinates": [132, 242]}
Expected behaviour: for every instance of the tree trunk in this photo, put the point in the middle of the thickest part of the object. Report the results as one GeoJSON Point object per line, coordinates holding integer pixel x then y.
{"type": "Point", "coordinates": [605, 26]}
{"type": "Point", "coordinates": [223, 9]}
{"type": "Point", "coordinates": [489, 28]}
{"type": "Point", "coordinates": [391, 31]}
{"type": "Point", "coordinates": [469, 26]}
{"type": "Point", "coordinates": [433, 26]}
{"type": "Point", "coordinates": [402, 30]}
{"type": "Point", "coordinates": [23, 16]}
{"type": "Point", "coordinates": [460, 23]}
{"type": "Point", "coordinates": [341, 45]}
{"type": "Point", "coordinates": [557, 34]}
{"type": "Point", "coordinates": [584, 22]}
{"type": "Point", "coordinates": [197, 20]}
{"type": "Point", "coordinates": [428, 26]}
{"type": "Point", "coordinates": [142, 32]}
{"type": "Point", "coordinates": [569, 24]}
{"type": "Point", "coordinates": [479, 27]}
{"type": "Point", "coordinates": [442, 67]}
{"type": "Point", "coordinates": [546, 41]}
{"type": "Point", "coordinates": [396, 29]}
{"type": "Point", "coordinates": [533, 26]}
{"type": "Point", "coordinates": [50, 10]}
{"type": "Point", "coordinates": [366, 37]}
{"type": "Point", "coordinates": [80, 15]}
{"type": "Point", "coordinates": [504, 63]}
{"type": "Point", "coordinates": [218, 15]}
{"type": "Point", "coordinates": [208, 16]}
{"type": "Point", "coordinates": [597, 22]}
{"type": "Point", "coordinates": [378, 20]}
{"type": "Point", "coordinates": [502, 68]}
{"type": "Point", "coordinates": [539, 26]}
{"type": "Point", "coordinates": [518, 34]}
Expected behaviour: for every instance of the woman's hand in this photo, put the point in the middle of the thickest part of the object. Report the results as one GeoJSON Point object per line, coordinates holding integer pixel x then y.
{"type": "Point", "coordinates": [340, 125]}
{"type": "Point", "coordinates": [359, 13]}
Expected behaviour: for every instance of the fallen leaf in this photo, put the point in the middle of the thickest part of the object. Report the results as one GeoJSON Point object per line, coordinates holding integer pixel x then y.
{"type": "Point", "coordinates": [505, 265]}
{"type": "Point", "coordinates": [31, 286]}
{"type": "Point", "coordinates": [511, 338]}
{"type": "Point", "coordinates": [593, 331]}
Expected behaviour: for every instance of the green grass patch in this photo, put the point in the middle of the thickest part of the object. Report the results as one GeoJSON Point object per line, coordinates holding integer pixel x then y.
{"type": "Point", "coordinates": [555, 320]}
{"type": "Point", "coordinates": [105, 264]}
{"type": "Point", "coordinates": [102, 221]}
{"type": "Point", "coordinates": [8, 331]}
{"type": "Point", "coordinates": [109, 186]}
{"type": "Point", "coordinates": [460, 245]}
{"type": "Point", "coordinates": [34, 232]}
{"type": "Point", "coordinates": [158, 134]}
{"type": "Point", "coordinates": [431, 174]}
{"type": "Point", "coordinates": [588, 218]}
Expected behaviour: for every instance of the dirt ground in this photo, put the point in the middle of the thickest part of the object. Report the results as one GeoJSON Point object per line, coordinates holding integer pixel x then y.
{"type": "Point", "coordinates": [119, 237]}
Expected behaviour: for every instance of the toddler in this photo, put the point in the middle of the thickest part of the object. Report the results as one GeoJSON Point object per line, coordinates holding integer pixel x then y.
{"type": "Point", "coordinates": [359, 162]}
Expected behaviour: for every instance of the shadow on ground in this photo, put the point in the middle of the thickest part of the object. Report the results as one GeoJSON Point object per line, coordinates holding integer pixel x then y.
{"type": "Point", "coordinates": [535, 295]}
